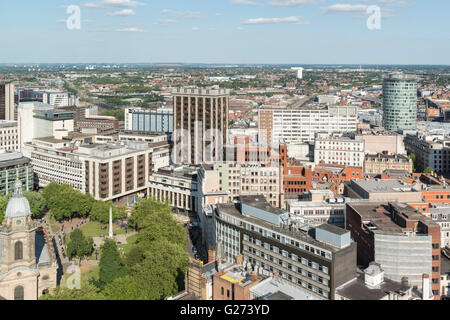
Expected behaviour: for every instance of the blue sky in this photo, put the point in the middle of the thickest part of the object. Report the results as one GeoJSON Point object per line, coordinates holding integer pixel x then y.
{"type": "Point", "coordinates": [226, 31]}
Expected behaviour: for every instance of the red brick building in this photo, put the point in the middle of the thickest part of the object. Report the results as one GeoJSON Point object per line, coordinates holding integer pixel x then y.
{"type": "Point", "coordinates": [297, 179]}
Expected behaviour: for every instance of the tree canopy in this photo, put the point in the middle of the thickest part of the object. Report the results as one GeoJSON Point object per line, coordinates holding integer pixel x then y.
{"type": "Point", "coordinates": [86, 292]}
{"type": "Point", "coordinates": [147, 207]}
{"type": "Point", "coordinates": [157, 262]}
{"type": "Point", "coordinates": [428, 170]}
{"type": "Point", "coordinates": [79, 246]}
{"type": "Point", "coordinates": [112, 265]}
{"type": "Point", "coordinates": [153, 268]}
{"type": "Point", "coordinates": [65, 202]}
{"type": "Point", "coordinates": [100, 211]}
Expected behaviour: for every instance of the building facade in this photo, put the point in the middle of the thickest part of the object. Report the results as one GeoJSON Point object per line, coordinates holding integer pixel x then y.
{"type": "Point", "coordinates": [431, 151]}
{"type": "Point", "coordinates": [400, 102]}
{"type": "Point", "coordinates": [300, 125]}
{"type": "Point", "coordinates": [378, 163]}
{"type": "Point", "coordinates": [331, 211]}
{"type": "Point", "coordinates": [177, 186]}
{"type": "Point", "coordinates": [339, 150]}
{"type": "Point", "coordinates": [146, 120]}
{"type": "Point", "coordinates": [255, 229]}
{"type": "Point", "coordinates": [7, 101]}
{"type": "Point", "coordinates": [200, 124]}
{"type": "Point", "coordinates": [9, 135]}
{"type": "Point", "coordinates": [107, 171]}
{"type": "Point", "coordinates": [14, 166]}
{"type": "Point", "coordinates": [247, 179]}
{"type": "Point", "coordinates": [403, 241]}
{"type": "Point", "coordinates": [59, 99]}
{"type": "Point", "coordinates": [86, 118]}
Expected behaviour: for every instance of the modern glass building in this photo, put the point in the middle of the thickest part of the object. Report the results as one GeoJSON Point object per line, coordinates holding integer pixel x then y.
{"type": "Point", "coordinates": [152, 121]}
{"type": "Point", "coordinates": [13, 166]}
{"type": "Point", "coordinates": [400, 102]}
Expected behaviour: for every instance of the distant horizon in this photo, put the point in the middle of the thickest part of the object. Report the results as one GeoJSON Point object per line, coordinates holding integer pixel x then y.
{"type": "Point", "coordinates": [227, 64]}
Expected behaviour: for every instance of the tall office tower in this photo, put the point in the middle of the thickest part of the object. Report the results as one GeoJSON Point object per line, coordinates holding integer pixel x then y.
{"type": "Point", "coordinates": [6, 101]}
{"type": "Point", "coordinates": [201, 124]}
{"type": "Point", "coordinates": [400, 102]}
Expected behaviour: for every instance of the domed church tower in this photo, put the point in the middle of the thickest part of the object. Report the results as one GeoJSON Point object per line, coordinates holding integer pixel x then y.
{"type": "Point", "coordinates": [25, 252]}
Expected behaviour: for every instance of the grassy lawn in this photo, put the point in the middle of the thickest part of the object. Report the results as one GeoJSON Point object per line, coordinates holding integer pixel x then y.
{"type": "Point", "coordinates": [87, 272]}
{"type": "Point", "coordinates": [55, 228]}
{"type": "Point", "coordinates": [92, 274]}
{"type": "Point", "coordinates": [94, 229]}
{"type": "Point", "coordinates": [126, 247]}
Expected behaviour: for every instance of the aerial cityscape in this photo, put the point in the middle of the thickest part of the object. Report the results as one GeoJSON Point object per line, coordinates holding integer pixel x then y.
{"type": "Point", "coordinates": [199, 152]}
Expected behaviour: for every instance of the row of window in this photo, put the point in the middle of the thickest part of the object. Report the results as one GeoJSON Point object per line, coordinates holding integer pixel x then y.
{"type": "Point", "coordinates": [294, 280]}
{"type": "Point", "coordinates": [287, 254]}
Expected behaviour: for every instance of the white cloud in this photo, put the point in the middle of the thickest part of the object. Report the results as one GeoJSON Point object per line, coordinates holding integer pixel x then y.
{"type": "Point", "coordinates": [122, 13]}
{"type": "Point", "coordinates": [114, 4]}
{"type": "Point", "coordinates": [247, 2]}
{"type": "Point", "coordinates": [292, 3]}
{"type": "Point", "coordinates": [164, 22]}
{"type": "Point", "coordinates": [391, 3]}
{"type": "Point", "coordinates": [182, 15]}
{"type": "Point", "coordinates": [195, 29]}
{"type": "Point", "coordinates": [130, 29]}
{"type": "Point", "coordinates": [355, 10]}
{"type": "Point", "coordinates": [295, 20]}
{"type": "Point", "coordinates": [345, 8]}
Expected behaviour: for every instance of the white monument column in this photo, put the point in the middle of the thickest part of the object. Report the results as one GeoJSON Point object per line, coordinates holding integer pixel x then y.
{"type": "Point", "coordinates": [111, 234]}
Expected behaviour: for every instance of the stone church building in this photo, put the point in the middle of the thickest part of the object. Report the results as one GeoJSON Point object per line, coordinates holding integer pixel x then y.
{"type": "Point", "coordinates": [28, 266]}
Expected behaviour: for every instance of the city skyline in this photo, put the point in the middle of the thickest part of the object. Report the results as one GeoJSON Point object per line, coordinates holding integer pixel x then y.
{"type": "Point", "coordinates": [236, 31]}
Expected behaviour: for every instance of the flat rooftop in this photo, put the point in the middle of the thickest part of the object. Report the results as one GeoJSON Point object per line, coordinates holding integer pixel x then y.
{"type": "Point", "coordinates": [230, 208]}
{"type": "Point", "coordinates": [384, 186]}
{"type": "Point", "coordinates": [8, 155]}
{"type": "Point", "coordinates": [276, 289]}
{"type": "Point", "coordinates": [333, 229]}
{"type": "Point", "coordinates": [357, 289]}
{"type": "Point", "coordinates": [260, 202]}
{"type": "Point", "coordinates": [377, 215]}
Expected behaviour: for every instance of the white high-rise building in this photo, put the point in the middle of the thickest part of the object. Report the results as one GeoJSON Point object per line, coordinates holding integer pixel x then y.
{"type": "Point", "coordinates": [300, 125]}
{"type": "Point", "coordinates": [38, 120]}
